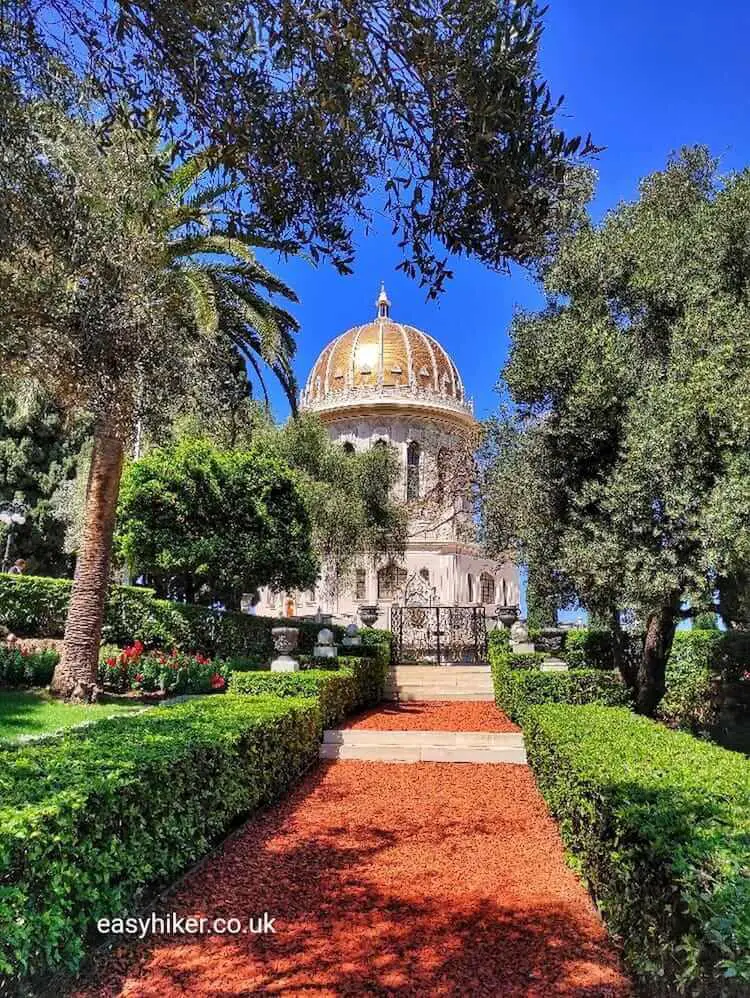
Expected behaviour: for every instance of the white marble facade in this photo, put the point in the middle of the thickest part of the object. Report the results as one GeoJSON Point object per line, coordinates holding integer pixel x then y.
{"type": "Point", "coordinates": [385, 381]}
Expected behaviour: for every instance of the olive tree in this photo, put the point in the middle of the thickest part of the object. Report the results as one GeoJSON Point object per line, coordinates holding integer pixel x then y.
{"type": "Point", "coordinates": [620, 466]}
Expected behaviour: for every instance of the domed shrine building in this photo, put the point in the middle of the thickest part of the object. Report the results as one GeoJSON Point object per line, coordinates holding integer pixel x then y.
{"type": "Point", "coordinates": [388, 382]}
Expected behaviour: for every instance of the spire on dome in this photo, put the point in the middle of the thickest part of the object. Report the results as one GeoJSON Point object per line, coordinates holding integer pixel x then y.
{"type": "Point", "coordinates": [383, 303]}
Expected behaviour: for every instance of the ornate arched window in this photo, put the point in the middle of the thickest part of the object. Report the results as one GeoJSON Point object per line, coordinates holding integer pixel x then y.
{"type": "Point", "coordinates": [470, 582]}
{"type": "Point", "coordinates": [487, 588]}
{"type": "Point", "coordinates": [380, 443]}
{"type": "Point", "coordinates": [348, 447]}
{"type": "Point", "coordinates": [413, 457]}
{"type": "Point", "coordinates": [391, 581]}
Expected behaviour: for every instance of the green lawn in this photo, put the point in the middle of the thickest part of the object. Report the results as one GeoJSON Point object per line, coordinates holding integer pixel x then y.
{"type": "Point", "coordinates": [34, 713]}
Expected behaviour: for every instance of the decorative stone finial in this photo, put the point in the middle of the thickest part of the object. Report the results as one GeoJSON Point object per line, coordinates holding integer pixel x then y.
{"type": "Point", "coordinates": [383, 303]}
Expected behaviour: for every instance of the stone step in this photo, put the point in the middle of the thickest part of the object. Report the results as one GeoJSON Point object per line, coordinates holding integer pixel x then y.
{"type": "Point", "coordinates": [468, 739]}
{"type": "Point", "coordinates": [419, 695]}
{"type": "Point", "coordinates": [441, 670]}
{"type": "Point", "coordinates": [424, 746]}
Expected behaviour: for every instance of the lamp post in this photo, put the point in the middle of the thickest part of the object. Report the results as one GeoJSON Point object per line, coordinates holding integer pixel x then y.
{"type": "Point", "coordinates": [12, 514]}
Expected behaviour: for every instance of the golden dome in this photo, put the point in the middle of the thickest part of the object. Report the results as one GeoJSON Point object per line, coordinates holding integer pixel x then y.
{"type": "Point", "coordinates": [385, 358]}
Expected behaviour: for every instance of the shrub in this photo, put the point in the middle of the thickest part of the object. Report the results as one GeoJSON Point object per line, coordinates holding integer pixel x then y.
{"type": "Point", "coordinates": [26, 668]}
{"type": "Point", "coordinates": [660, 825]}
{"type": "Point", "coordinates": [336, 691]}
{"type": "Point", "coordinates": [699, 663]}
{"type": "Point", "coordinates": [360, 683]}
{"type": "Point", "coordinates": [588, 648]}
{"type": "Point", "coordinates": [379, 639]}
{"type": "Point", "coordinates": [94, 819]}
{"type": "Point", "coordinates": [517, 688]}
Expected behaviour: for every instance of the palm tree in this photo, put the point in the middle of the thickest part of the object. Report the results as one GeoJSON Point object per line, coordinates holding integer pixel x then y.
{"type": "Point", "coordinates": [217, 271]}
{"type": "Point", "coordinates": [207, 271]}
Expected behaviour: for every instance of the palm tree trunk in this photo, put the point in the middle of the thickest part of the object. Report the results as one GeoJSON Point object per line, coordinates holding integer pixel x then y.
{"type": "Point", "coordinates": [75, 676]}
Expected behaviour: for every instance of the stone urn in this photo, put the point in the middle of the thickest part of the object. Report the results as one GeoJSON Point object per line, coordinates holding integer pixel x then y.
{"type": "Point", "coordinates": [550, 639]}
{"type": "Point", "coordinates": [507, 615]}
{"type": "Point", "coordinates": [285, 641]}
{"type": "Point", "coordinates": [368, 615]}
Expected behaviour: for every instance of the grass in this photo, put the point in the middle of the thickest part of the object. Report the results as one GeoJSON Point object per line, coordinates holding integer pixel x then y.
{"type": "Point", "coordinates": [37, 713]}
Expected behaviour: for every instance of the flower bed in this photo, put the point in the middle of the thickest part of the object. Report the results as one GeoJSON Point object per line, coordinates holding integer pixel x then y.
{"type": "Point", "coordinates": [93, 819]}
{"type": "Point", "coordinates": [660, 825]}
{"type": "Point", "coordinates": [173, 672]}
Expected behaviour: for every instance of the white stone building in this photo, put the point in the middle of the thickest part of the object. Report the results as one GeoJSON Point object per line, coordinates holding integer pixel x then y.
{"type": "Point", "coordinates": [387, 381]}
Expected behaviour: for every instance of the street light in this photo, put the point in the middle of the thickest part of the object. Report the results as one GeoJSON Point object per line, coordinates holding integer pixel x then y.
{"type": "Point", "coordinates": [12, 514]}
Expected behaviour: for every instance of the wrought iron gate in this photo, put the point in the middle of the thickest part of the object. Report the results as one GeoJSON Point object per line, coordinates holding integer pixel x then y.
{"type": "Point", "coordinates": [438, 634]}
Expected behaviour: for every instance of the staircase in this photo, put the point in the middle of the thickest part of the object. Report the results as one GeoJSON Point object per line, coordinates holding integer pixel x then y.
{"type": "Point", "coordinates": [423, 746]}
{"type": "Point", "coordinates": [439, 682]}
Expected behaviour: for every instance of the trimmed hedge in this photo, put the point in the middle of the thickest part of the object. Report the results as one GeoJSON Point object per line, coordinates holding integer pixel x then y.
{"type": "Point", "coordinates": [659, 823]}
{"type": "Point", "coordinates": [91, 821]}
{"type": "Point", "coordinates": [34, 606]}
{"type": "Point", "coordinates": [360, 683]}
{"type": "Point", "coordinates": [336, 691]}
{"type": "Point", "coordinates": [26, 668]}
{"type": "Point", "coordinates": [517, 688]}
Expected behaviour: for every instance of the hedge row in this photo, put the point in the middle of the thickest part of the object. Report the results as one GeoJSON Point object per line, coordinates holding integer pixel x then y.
{"type": "Point", "coordinates": [357, 684]}
{"type": "Point", "coordinates": [518, 688]}
{"type": "Point", "coordinates": [92, 820]}
{"type": "Point", "coordinates": [34, 606]}
{"type": "Point", "coordinates": [660, 825]}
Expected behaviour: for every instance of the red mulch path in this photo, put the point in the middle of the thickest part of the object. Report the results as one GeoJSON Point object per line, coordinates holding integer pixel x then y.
{"type": "Point", "coordinates": [457, 715]}
{"type": "Point", "coordinates": [385, 879]}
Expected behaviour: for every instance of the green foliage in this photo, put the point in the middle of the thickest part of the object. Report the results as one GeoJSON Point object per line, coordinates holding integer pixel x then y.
{"type": "Point", "coordinates": [622, 464]}
{"type": "Point", "coordinates": [26, 668]}
{"type": "Point", "coordinates": [659, 824]}
{"type": "Point", "coordinates": [335, 691]}
{"type": "Point", "coordinates": [358, 683]}
{"type": "Point", "coordinates": [39, 459]}
{"type": "Point", "coordinates": [588, 648]}
{"type": "Point", "coordinates": [36, 607]}
{"type": "Point", "coordinates": [541, 609]}
{"type": "Point", "coordinates": [699, 663]}
{"type": "Point", "coordinates": [210, 525]}
{"type": "Point", "coordinates": [92, 820]}
{"type": "Point", "coordinates": [350, 97]}
{"type": "Point", "coordinates": [349, 497]}
{"type": "Point", "coordinates": [519, 686]}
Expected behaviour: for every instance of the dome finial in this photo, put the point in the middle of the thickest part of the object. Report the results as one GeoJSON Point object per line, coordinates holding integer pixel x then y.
{"type": "Point", "coordinates": [383, 303]}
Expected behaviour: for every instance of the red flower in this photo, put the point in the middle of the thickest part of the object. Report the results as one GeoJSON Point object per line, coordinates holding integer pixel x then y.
{"type": "Point", "coordinates": [217, 682]}
{"type": "Point", "coordinates": [138, 677]}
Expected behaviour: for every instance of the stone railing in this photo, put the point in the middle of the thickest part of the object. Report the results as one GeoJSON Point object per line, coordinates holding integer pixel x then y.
{"type": "Point", "coordinates": [384, 395]}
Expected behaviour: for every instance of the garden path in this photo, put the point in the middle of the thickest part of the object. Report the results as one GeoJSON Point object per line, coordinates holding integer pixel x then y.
{"type": "Point", "coordinates": [426, 879]}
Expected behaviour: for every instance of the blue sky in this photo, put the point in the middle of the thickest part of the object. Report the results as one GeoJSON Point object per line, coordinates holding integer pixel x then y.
{"type": "Point", "coordinates": [644, 78]}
